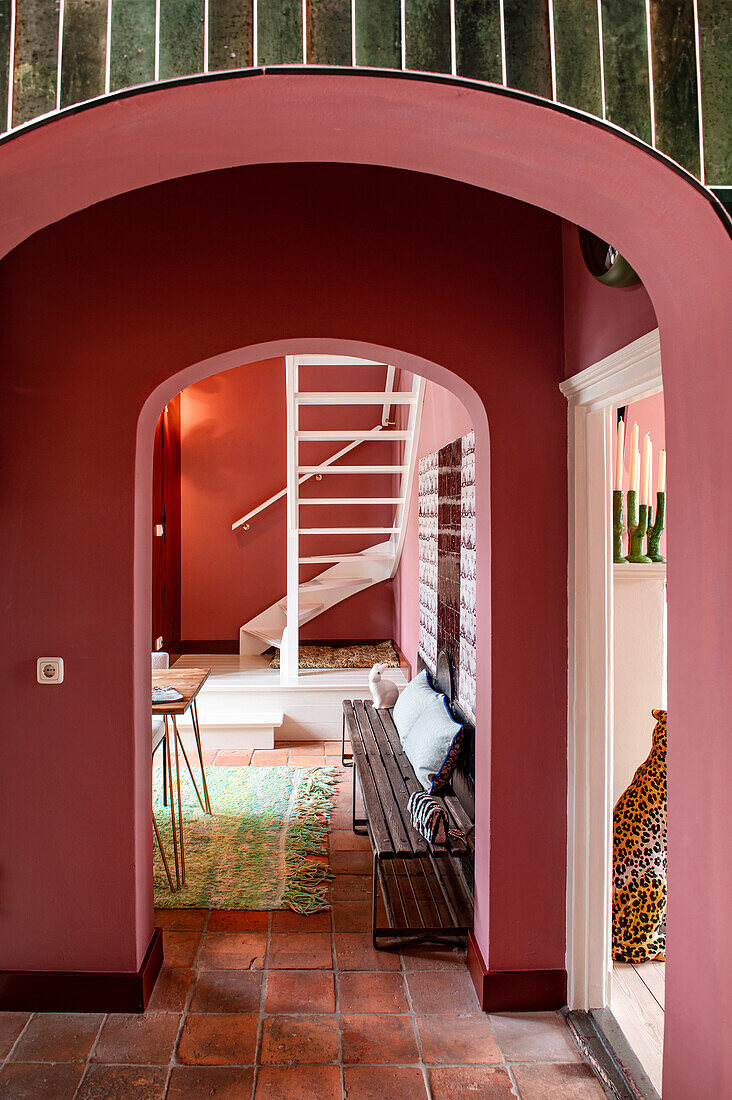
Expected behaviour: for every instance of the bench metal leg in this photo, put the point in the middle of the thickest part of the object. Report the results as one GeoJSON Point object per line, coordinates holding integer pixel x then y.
{"type": "Point", "coordinates": [346, 761]}
{"type": "Point", "coordinates": [165, 773]}
{"type": "Point", "coordinates": [359, 823]}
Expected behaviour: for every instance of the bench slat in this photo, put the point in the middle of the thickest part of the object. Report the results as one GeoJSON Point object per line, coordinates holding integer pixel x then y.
{"type": "Point", "coordinates": [396, 777]}
{"type": "Point", "coordinates": [377, 822]}
{"type": "Point", "coordinates": [381, 781]}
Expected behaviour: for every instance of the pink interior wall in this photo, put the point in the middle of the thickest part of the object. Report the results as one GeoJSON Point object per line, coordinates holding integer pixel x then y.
{"type": "Point", "coordinates": [88, 900]}
{"type": "Point", "coordinates": [127, 254]}
{"type": "Point", "coordinates": [444, 418]}
{"type": "Point", "coordinates": [233, 459]}
{"type": "Point", "coordinates": [598, 319]}
{"type": "Point", "coordinates": [166, 553]}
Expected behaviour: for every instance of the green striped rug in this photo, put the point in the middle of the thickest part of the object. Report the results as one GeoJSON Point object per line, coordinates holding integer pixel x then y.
{"type": "Point", "coordinates": [251, 853]}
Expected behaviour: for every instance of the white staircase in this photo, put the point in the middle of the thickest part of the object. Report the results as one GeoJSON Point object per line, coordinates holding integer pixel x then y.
{"type": "Point", "coordinates": [348, 573]}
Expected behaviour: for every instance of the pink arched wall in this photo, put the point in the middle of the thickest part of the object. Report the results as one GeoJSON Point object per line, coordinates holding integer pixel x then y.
{"type": "Point", "coordinates": [550, 159]}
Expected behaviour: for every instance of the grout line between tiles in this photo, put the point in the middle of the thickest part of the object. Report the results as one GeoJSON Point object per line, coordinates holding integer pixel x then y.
{"type": "Point", "coordinates": [90, 1055]}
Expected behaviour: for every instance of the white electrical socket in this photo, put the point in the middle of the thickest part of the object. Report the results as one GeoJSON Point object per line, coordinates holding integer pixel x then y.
{"type": "Point", "coordinates": [159, 530]}
{"type": "Point", "coordinates": [50, 670]}
{"type": "Point", "coordinates": [159, 642]}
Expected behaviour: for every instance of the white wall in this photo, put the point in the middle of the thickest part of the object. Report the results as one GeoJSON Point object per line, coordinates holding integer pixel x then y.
{"type": "Point", "coordinates": [639, 603]}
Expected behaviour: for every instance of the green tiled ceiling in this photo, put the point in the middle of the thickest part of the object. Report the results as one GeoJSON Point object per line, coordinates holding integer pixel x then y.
{"type": "Point", "coordinates": [478, 39]}
{"type": "Point", "coordinates": [36, 58]}
{"type": "Point", "coordinates": [181, 37]}
{"type": "Point", "coordinates": [434, 31]}
{"type": "Point", "coordinates": [715, 40]}
{"type": "Point", "coordinates": [279, 32]}
{"type": "Point", "coordinates": [132, 43]}
{"type": "Point", "coordinates": [230, 38]}
{"type": "Point", "coordinates": [528, 56]}
{"type": "Point", "coordinates": [5, 31]}
{"type": "Point", "coordinates": [427, 35]}
{"type": "Point", "coordinates": [329, 40]}
{"type": "Point", "coordinates": [378, 33]}
{"type": "Point", "coordinates": [673, 53]}
{"type": "Point", "coordinates": [625, 53]}
{"type": "Point", "coordinates": [84, 50]}
{"type": "Point", "coordinates": [577, 53]}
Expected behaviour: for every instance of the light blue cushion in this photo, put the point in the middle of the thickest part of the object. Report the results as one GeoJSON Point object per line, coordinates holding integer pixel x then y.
{"type": "Point", "coordinates": [433, 745]}
{"type": "Point", "coordinates": [415, 697]}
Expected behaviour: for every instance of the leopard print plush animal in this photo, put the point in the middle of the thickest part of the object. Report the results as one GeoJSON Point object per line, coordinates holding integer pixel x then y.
{"type": "Point", "coordinates": [639, 859]}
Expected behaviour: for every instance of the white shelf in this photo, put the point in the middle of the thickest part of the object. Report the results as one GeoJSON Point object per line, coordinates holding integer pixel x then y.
{"type": "Point", "coordinates": [630, 571]}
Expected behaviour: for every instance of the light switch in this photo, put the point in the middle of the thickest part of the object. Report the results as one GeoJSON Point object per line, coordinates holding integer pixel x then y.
{"type": "Point", "coordinates": [159, 530]}
{"type": "Point", "coordinates": [50, 670]}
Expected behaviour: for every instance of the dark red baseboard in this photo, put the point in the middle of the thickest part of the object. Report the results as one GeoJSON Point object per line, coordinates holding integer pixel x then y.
{"type": "Point", "coordinates": [515, 990]}
{"type": "Point", "coordinates": [51, 991]}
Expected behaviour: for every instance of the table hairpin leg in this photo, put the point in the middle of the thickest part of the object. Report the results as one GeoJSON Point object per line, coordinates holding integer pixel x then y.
{"type": "Point", "coordinates": [197, 731]}
{"type": "Point", "coordinates": [172, 802]}
{"type": "Point", "coordinates": [162, 853]}
{"type": "Point", "coordinates": [180, 805]}
{"type": "Point", "coordinates": [190, 770]}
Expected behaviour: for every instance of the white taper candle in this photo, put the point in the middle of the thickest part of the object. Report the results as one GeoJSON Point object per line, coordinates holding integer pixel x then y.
{"type": "Point", "coordinates": [662, 471]}
{"type": "Point", "coordinates": [619, 444]}
{"type": "Point", "coordinates": [644, 469]}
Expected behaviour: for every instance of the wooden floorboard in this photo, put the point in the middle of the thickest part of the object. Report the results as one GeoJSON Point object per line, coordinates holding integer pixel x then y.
{"type": "Point", "coordinates": [640, 1016]}
{"type": "Point", "coordinates": [653, 975]}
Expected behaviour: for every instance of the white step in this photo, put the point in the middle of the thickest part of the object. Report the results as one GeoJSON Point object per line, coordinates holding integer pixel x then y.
{"type": "Point", "coordinates": [370, 397]}
{"type": "Point", "coordinates": [333, 436]}
{"type": "Point", "coordinates": [323, 584]}
{"type": "Point", "coordinates": [233, 726]}
{"type": "Point", "coordinates": [350, 500]}
{"type": "Point", "coordinates": [322, 558]}
{"type": "Point", "coordinates": [348, 531]}
{"type": "Point", "coordinates": [307, 610]}
{"type": "Point", "coordinates": [351, 469]}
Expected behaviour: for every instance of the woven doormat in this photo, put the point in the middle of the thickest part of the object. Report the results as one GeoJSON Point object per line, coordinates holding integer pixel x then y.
{"type": "Point", "coordinates": [349, 656]}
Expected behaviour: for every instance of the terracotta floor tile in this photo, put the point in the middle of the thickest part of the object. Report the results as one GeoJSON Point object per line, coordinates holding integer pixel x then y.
{"type": "Point", "coordinates": [122, 1082]}
{"type": "Point", "coordinates": [209, 755]}
{"type": "Point", "coordinates": [299, 1083]}
{"type": "Point", "coordinates": [345, 840]}
{"type": "Point", "coordinates": [232, 951]}
{"type": "Point", "coordinates": [351, 863]}
{"type": "Point", "coordinates": [217, 1040]}
{"type": "Point", "coordinates": [458, 1040]}
{"type": "Point", "coordinates": [145, 1040]}
{"type": "Point", "coordinates": [352, 916]}
{"type": "Point", "coordinates": [351, 888]}
{"type": "Point", "coordinates": [299, 1040]}
{"type": "Point", "coordinates": [179, 948]}
{"type": "Point", "coordinates": [416, 958]}
{"type": "Point", "coordinates": [570, 1082]}
{"type": "Point", "coordinates": [171, 989]}
{"type": "Point", "coordinates": [58, 1037]}
{"type": "Point", "coordinates": [284, 920]}
{"type": "Point", "coordinates": [237, 759]}
{"type": "Point", "coordinates": [441, 991]}
{"type": "Point", "coordinates": [458, 1082]}
{"type": "Point", "coordinates": [238, 920]}
{"type": "Point", "coordinates": [297, 761]}
{"type": "Point", "coordinates": [355, 951]}
{"type": "Point", "coordinates": [300, 951]}
{"type": "Point", "coordinates": [265, 758]}
{"type": "Point", "coordinates": [19, 1081]}
{"type": "Point", "coordinates": [308, 748]}
{"type": "Point", "coordinates": [380, 1082]}
{"type": "Point", "coordinates": [11, 1025]}
{"type": "Point", "coordinates": [227, 991]}
{"type": "Point", "coordinates": [296, 991]}
{"type": "Point", "coordinates": [363, 992]}
{"type": "Point", "coordinates": [534, 1037]}
{"type": "Point", "coordinates": [221, 1082]}
{"type": "Point", "coordinates": [181, 920]}
{"type": "Point", "coordinates": [372, 1039]}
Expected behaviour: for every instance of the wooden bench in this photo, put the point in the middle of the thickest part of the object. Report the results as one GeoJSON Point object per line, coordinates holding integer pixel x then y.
{"type": "Point", "coordinates": [426, 888]}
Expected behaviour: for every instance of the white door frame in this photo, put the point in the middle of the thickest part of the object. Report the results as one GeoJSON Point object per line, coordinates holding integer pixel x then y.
{"type": "Point", "coordinates": [625, 376]}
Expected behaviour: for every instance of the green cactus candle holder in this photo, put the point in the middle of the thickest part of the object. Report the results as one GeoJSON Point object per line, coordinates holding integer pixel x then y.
{"type": "Point", "coordinates": [618, 526]}
{"type": "Point", "coordinates": [655, 531]}
{"type": "Point", "coordinates": [638, 534]}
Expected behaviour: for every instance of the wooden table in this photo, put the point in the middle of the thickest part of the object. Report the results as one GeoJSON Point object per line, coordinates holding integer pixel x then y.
{"type": "Point", "coordinates": [188, 681]}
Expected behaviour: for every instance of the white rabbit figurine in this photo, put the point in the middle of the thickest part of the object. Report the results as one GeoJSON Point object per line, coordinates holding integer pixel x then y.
{"type": "Point", "coordinates": [384, 692]}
